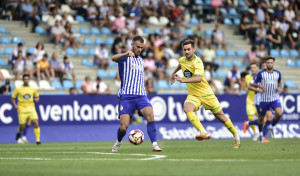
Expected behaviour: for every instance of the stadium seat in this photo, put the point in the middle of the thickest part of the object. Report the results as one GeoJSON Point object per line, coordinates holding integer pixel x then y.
{"type": "Point", "coordinates": [75, 30]}
{"type": "Point", "coordinates": [16, 40]}
{"type": "Point", "coordinates": [33, 84]}
{"type": "Point", "coordinates": [284, 53]}
{"type": "Point", "coordinates": [102, 73]}
{"type": "Point", "coordinates": [88, 41]}
{"type": "Point", "coordinates": [56, 85]}
{"type": "Point", "coordinates": [208, 32]}
{"type": "Point", "coordinates": [87, 62]}
{"type": "Point", "coordinates": [91, 51]}
{"type": "Point", "coordinates": [294, 53]}
{"type": "Point", "coordinates": [81, 52]}
{"type": "Point", "coordinates": [98, 41]}
{"type": "Point", "coordinates": [226, 63]}
{"type": "Point", "coordinates": [71, 52]}
{"type": "Point", "coordinates": [220, 74]}
{"type": "Point", "coordinates": [109, 41]}
{"type": "Point", "coordinates": [78, 84]}
{"type": "Point", "coordinates": [147, 31]}
{"type": "Point", "coordinates": [176, 85]}
{"type": "Point", "coordinates": [84, 31]}
{"type": "Point", "coordinates": [290, 84]}
{"type": "Point", "coordinates": [112, 73]}
{"type": "Point", "coordinates": [3, 30]}
{"type": "Point", "coordinates": [1, 52]}
{"type": "Point", "coordinates": [6, 74]}
{"type": "Point", "coordinates": [105, 31]}
{"type": "Point", "coordinates": [43, 84]}
{"type": "Point", "coordinates": [4, 40]}
{"type": "Point", "coordinates": [198, 2]}
{"type": "Point", "coordinates": [236, 21]}
{"type": "Point", "coordinates": [194, 21]}
{"type": "Point", "coordinates": [298, 63]}
{"type": "Point", "coordinates": [227, 21]}
{"type": "Point", "coordinates": [157, 31]}
{"type": "Point", "coordinates": [163, 20]}
{"type": "Point", "coordinates": [162, 84]}
{"type": "Point", "coordinates": [230, 53]}
{"type": "Point", "coordinates": [3, 63]}
{"type": "Point", "coordinates": [232, 13]}
{"type": "Point", "coordinates": [240, 53]}
{"type": "Point", "coordinates": [290, 63]}
{"type": "Point", "coordinates": [47, 93]}
{"type": "Point", "coordinates": [59, 93]}
{"type": "Point", "coordinates": [188, 32]}
{"type": "Point", "coordinates": [238, 63]}
{"type": "Point", "coordinates": [95, 31]}
{"type": "Point", "coordinates": [220, 53]}
{"type": "Point", "coordinates": [8, 51]}
{"type": "Point", "coordinates": [80, 19]}
{"type": "Point", "coordinates": [30, 50]}
{"type": "Point", "coordinates": [274, 53]}
{"type": "Point", "coordinates": [40, 30]}
{"type": "Point", "coordinates": [217, 61]}
{"type": "Point", "coordinates": [68, 84]}
{"type": "Point", "coordinates": [153, 20]}
{"type": "Point", "coordinates": [112, 64]}
{"type": "Point", "coordinates": [18, 83]}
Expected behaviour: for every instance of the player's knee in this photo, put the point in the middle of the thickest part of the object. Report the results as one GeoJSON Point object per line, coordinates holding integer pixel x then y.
{"type": "Point", "coordinates": [187, 109]}
{"type": "Point", "coordinates": [123, 128]}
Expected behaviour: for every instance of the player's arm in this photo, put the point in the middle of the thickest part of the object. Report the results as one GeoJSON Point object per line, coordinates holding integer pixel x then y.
{"type": "Point", "coordinates": [36, 96]}
{"type": "Point", "coordinates": [279, 84]}
{"type": "Point", "coordinates": [118, 57]}
{"type": "Point", "coordinates": [13, 98]}
{"type": "Point", "coordinates": [195, 79]}
{"type": "Point", "coordinates": [254, 89]}
{"type": "Point", "coordinates": [174, 73]}
{"type": "Point", "coordinates": [256, 80]}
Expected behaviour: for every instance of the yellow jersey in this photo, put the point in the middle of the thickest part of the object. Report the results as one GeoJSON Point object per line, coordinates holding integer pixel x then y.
{"type": "Point", "coordinates": [191, 69]}
{"type": "Point", "coordinates": [25, 96]}
{"type": "Point", "coordinates": [251, 93]}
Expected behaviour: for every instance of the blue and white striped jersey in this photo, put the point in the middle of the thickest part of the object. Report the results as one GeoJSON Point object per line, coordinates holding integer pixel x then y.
{"type": "Point", "coordinates": [131, 70]}
{"type": "Point", "coordinates": [270, 81]}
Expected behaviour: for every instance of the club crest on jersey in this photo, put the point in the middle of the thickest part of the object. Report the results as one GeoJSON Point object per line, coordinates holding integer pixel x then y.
{"type": "Point", "coordinates": [187, 73]}
{"type": "Point", "coordinates": [121, 107]}
{"type": "Point", "coordinates": [26, 96]}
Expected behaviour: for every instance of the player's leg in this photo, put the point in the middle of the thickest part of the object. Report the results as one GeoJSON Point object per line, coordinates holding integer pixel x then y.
{"type": "Point", "coordinates": [251, 112]}
{"type": "Point", "coordinates": [268, 119]}
{"type": "Point", "coordinates": [22, 120]}
{"type": "Point", "coordinates": [146, 110]}
{"type": "Point", "coordinates": [24, 132]}
{"type": "Point", "coordinates": [35, 123]}
{"type": "Point", "coordinates": [278, 114]}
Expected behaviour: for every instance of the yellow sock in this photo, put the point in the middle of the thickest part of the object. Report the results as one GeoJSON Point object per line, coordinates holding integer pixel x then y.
{"type": "Point", "coordinates": [251, 118]}
{"type": "Point", "coordinates": [230, 127]}
{"type": "Point", "coordinates": [195, 121]}
{"type": "Point", "coordinates": [19, 130]}
{"type": "Point", "coordinates": [37, 132]}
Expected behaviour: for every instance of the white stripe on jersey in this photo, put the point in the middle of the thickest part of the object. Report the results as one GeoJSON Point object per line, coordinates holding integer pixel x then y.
{"type": "Point", "coordinates": [270, 81]}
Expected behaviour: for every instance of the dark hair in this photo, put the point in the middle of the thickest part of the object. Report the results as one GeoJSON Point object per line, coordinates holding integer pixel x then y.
{"type": "Point", "coordinates": [37, 45]}
{"type": "Point", "coordinates": [20, 44]}
{"type": "Point", "coordinates": [253, 48]}
{"type": "Point", "coordinates": [187, 42]}
{"type": "Point", "coordinates": [270, 57]}
{"type": "Point", "coordinates": [45, 55]}
{"type": "Point", "coordinates": [65, 57]}
{"type": "Point", "coordinates": [138, 38]}
{"type": "Point", "coordinates": [98, 78]}
{"type": "Point", "coordinates": [25, 75]}
{"type": "Point", "coordinates": [28, 54]}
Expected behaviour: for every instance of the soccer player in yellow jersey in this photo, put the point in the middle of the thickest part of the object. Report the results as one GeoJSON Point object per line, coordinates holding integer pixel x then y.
{"type": "Point", "coordinates": [26, 108]}
{"type": "Point", "coordinates": [250, 107]}
{"type": "Point", "coordinates": [199, 92]}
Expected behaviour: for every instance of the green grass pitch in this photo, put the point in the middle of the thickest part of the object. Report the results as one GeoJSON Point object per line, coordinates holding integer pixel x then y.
{"type": "Point", "coordinates": [179, 157]}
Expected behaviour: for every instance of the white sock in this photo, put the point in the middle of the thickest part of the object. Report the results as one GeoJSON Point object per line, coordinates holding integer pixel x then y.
{"type": "Point", "coordinates": [247, 123]}
{"type": "Point", "coordinates": [203, 131]}
{"type": "Point", "coordinates": [237, 137]}
{"type": "Point", "coordinates": [154, 144]}
{"type": "Point", "coordinates": [261, 133]}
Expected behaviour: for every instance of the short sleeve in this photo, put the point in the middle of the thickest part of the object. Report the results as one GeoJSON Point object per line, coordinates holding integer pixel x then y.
{"type": "Point", "coordinates": [15, 94]}
{"type": "Point", "coordinates": [257, 77]}
{"type": "Point", "coordinates": [35, 93]}
{"type": "Point", "coordinates": [279, 78]}
{"type": "Point", "coordinates": [199, 68]}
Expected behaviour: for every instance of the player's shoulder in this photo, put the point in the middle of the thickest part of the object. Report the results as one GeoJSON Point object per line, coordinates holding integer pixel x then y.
{"type": "Point", "coordinates": [181, 59]}
{"type": "Point", "coordinates": [248, 76]}
{"type": "Point", "coordinates": [197, 60]}
{"type": "Point", "coordinates": [277, 71]}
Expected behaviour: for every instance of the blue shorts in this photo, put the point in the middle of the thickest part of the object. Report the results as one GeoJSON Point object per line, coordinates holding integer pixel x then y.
{"type": "Point", "coordinates": [129, 103]}
{"type": "Point", "coordinates": [263, 107]}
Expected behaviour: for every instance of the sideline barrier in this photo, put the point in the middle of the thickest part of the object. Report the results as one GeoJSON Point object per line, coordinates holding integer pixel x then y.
{"type": "Point", "coordinates": [95, 118]}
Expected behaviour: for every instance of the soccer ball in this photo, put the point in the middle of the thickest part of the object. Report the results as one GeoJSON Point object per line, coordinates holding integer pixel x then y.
{"type": "Point", "coordinates": [136, 137]}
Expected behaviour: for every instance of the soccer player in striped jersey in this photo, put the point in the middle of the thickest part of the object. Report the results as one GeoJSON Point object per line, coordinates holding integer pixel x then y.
{"type": "Point", "coordinates": [26, 109]}
{"type": "Point", "coordinates": [132, 93]}
{"type": "Point", "coordinates": [269, 81]}
{"type": "Point", "coordinates": [199, 92]}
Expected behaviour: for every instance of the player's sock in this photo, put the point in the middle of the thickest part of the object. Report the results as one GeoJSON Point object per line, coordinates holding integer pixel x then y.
{"type": "Point", "coordinates": [120, 135]}
{"type": "Point", "coordinates": [260, 128]}
{"type": "Point", "coordinates": [195, 121]}
{"type": "Point", "coordinates": [253, 122]}
{"type": "Point", "coordinates": [151, 130]}
{"type": "Point", "coordinates": [266, 128]}
{"type": "Point", "coordinates": [24, 132]}
{"type": "Point", "coordinates": [251, 118]}
{"type": "Point", "coordinates": [274, 122]}
{"type": "Point", "coordinates": [37, 132]}
{"type": "Point", "coordinates": [230, 127]}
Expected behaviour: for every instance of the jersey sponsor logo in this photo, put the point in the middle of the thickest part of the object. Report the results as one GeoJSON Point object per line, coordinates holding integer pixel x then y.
{"type": "Point", "coordinates": [26, 96]}
{"type": "Point", "coordinates": [137, 67]}
{"type": "Point", "coordinates": [187, 73]}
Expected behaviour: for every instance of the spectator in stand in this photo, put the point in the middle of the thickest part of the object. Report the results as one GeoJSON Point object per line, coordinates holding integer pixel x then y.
{"type": "Point", "coordinates": [118, 23]}
{"type": "Point", "coordinates": [72, 91]}
{"type": "Point", "coordinates": [166, 7]}
{"type": "Point", "coordinates": [53, 18]}
{"type": "Point", "coordinates": [278, 12]}
{"type": "Point", "coordinates": [233, 80]}
{"type": "Point", "coordinates": [19, 65]}
{"type": "Point", "coordinates": [29, 13]}
{"type": "Point", "coordinates": [55, 66]}
{"type": "Point", "coordinates": [58, 33]}
{"type": "Point", "coordinates": [149, 8]}
{"type": "Point", "coordinates": [30, 66]}
{"type": "Point", "coordinates": [101, 57]}
{"type": "Point", "coordinates": [209, 79]}
{"type": "Point", "coordinates": [104, 12]}
{"type": "Point", "coordinates": [218, 37]}
{"type": "Point", "coordinates": [297, 22]}
{"type": "Point", "coordinates": [100, 87]}
{"type": "Point", "coordinates": [43, 9]}
{"type": "Point", "coordinates": [92, 13]}
{"type": "Point", "coordinates": [260, 13]}
{"type": "Point", "coordinates": [289, 13]}
{"type": "Point", "coordinates": [16, 51]}
{"type": "Point", "coordinates": [131, 21]}
{"type": "Point", "coordinates": [260, 52]}
{"type": "Point", "coordinates": [284, 3]}
{"type": "Point", "coordinates": [78, 5]}
{"type": "Point", "coordinates": [165, 33]}
{"type": "Point", "coordinates": [284, 27]}
{"type": "Point", "coordinates": [254, 26]}
{"type": "Point", "coordinates": [215, 5]}
{"type": "Point", "coordinates": [293, 37]}
{"type": "Point", "coordinates": [273, 38]}
{"type": "Point", "coordinates": [119, 42]}
{"type": "Point", "coordinates": [67, 70]}
{"type": "Point", "coordinates": [149, 46]}
{"type": "Point", "coordinates": [87, 86]}
{"type": "Point", "coordinates": [149, 63]}
{"type": "Point", "coordinates": [251, 56]}
{"type": "Point", "coordinates": [208, 57]}
{"type": "Point", "coordinates": [162, 66]}
{"type": "Point", "coordinates": [66, 18]}
{"type": "Point", "coordinates": [5, 89]}
{"type": "Point", "coordinates": [129, 39]}
{"type": "Point", "coordinates": [176, 37]}
{"type": "Point", "coordinates": [149, 81]}
{"type": "Point", "coordinates": [245, 27]}
{"type": "Point", "coordinates": [38, 52]}
{"type": "Point", "coordinates": [261, 34]}
{"type": "Point", "coordinates": [285, 89]}
{"type": "Point", "coordinates": [69, 36]}
{"type": "Point", "coordinates": [43, 68]}
{"type": "Point", "coordinates": [12, 5]}
{"type": "Point", "coordinates": [200, 36]}
{"type": "Point", "coordinates": [177, 13]}
{"type": "Point", "coordinates": [135, 10]}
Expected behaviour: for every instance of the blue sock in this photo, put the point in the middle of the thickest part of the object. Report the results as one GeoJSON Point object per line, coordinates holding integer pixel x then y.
{"type": "Point", "coordinates": [274, 122]}
{"type": "Point", "coordinates": [253, 122]}
{"type": "Point", "coordinates": [151, 129]}
{"type": "Point", "coordinates": [120, 135]}
{"type": "Point", "coordinates": [266, 127]}
{"type": "Point", "coordinates": [24, 132]}
{"type": "Point", "coordinates": [260, 127]}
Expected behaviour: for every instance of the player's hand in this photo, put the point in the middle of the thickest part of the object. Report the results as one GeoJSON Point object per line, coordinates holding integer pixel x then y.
{"type": "Point", "coordinates": [278, 89]}
{"type": "Point", "coordinates": [260, 91]}
{"type": "Point", "coordinates": [17, 107]}
{"type": "Point", "coordinates": [36, 99]}
{"type": "Point", "coordinates": [130, 53]}
{"type": "Point", "coordinates": [178, 78]}
{"type": "Point", "coordinates": [263, 88]}
{"type": "Point", "coordinates": [173, 78]}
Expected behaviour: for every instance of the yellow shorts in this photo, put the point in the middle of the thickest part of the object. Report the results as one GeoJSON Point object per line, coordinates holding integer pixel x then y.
{"type": "Point", "coordinates": [23, 116]}
{"type": "Point", "coordinates": [251, 110]}
{"type": "Point", "coordinates": [209, 102]}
